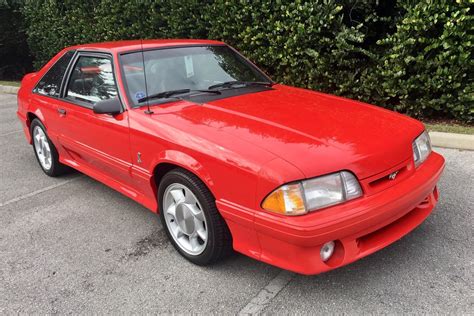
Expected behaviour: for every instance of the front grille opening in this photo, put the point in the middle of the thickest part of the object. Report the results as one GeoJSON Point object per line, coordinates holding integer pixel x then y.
{"type": "Point", "coordinates": [388, 179]}
{"type": "Point", "coordinates": [425, 201]}
{"type": "Point", "coordinates": [396, 229]}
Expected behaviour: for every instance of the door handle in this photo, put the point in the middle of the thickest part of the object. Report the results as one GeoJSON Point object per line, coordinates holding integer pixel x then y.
{"type": "Point", "coordinates": [61, 111]}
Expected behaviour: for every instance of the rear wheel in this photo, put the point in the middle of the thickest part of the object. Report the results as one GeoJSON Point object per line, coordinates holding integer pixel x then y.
{"type": "Point", "coordinates": [192, 222]}
{"type": "Point", "coordinates": [45, 152]}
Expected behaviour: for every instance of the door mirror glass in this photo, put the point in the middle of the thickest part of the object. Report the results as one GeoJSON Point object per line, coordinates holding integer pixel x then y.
{"type": "Point", "coordinates": [110, 106]}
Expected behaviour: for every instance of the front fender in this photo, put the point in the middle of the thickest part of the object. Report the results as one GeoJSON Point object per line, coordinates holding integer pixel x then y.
{"type": "Point", "coordinates": [186, 162]}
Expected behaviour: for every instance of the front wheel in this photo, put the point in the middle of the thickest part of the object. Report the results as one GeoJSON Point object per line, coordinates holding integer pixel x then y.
{"type": "Point", "coordinates": [192, 222]}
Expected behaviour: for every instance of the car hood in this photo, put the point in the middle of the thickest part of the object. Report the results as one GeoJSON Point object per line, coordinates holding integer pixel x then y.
{"type": "Point", "coordinates": [315, 132]}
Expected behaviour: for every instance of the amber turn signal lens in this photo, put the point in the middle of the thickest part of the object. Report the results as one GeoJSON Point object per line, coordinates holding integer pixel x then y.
{"type": "Point", "coordinates": [286, 200]}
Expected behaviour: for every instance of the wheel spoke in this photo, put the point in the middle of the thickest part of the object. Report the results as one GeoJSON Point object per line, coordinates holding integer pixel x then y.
{"type": "Point", "coordinates": [183, 240]}
{"type": "Point", "coordinates": [202, 234]}
{"type": "Point", "coordinates": [178, 195]}
{"type": "Point", "coordinates": [46, 146]}
{"type": "Point", "coordinates": [41, 158]}
{"type": "Point", "coordinates": [196, 211]}
{"type": "Point", "coordinates": [194, 242]}
{"type": "Point", "coordinates": [172, 210]}
{"type": "Point", "coordinates": [189, 197]}
{"type": "Point", "coordinates": [179, 233]}
{"type": "Point", "coordinates": [175, 230]}
{"type": "Point", "coordinates": [48, 155]}
{"type": "Point", "coordinates": [43, 149]}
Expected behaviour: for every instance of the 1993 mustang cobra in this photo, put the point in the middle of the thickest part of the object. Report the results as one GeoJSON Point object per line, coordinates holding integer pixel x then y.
{"type": "Point", "coordinates": [230, 159]}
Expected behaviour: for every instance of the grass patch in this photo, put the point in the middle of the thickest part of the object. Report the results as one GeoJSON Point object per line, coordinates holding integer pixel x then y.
{"type": "Point", "coordinates": [449, 128]}
{"type": "Point", "coordinates": [10, 83]}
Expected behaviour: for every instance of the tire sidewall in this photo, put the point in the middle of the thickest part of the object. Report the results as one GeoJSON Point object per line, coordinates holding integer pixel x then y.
{"type": "Point", "coordinates": [177, 177]}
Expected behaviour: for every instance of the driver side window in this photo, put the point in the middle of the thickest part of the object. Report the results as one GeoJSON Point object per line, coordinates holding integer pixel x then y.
{"type": "Point", "coordinates": [91, 80]}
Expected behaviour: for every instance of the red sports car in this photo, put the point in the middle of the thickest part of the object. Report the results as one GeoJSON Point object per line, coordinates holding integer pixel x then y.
{"type": "Point", "coordinates": [230, 159]}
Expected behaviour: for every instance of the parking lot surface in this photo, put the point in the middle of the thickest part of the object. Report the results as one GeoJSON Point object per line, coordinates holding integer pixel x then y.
{"type": "Point", "coordinates": [73, 245]}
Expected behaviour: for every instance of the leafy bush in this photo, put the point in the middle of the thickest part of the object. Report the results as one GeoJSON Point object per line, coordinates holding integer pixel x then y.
{"type": "Point", "coordinates": [427, 66]}
{"type": "Point", "coordinates": [411, 56]}
{"type": "Point", "coordinates": [299, 43]}
{"type": "Point", "coordinates": [320, 45]}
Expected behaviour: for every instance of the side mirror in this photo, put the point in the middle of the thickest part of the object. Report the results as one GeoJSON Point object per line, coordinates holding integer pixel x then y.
{"type": "Point", "coordinates": [110, 106]}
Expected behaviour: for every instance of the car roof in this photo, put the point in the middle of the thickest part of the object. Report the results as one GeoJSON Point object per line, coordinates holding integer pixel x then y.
{"type": "Point", "coordinates": [131, 45]}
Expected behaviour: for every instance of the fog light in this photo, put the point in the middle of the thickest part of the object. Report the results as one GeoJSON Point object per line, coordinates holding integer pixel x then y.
{"type": "Point", "coordinates": [327, 250]}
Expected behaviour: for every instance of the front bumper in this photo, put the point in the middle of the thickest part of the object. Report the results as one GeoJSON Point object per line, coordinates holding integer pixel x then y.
{"type": "Point", "coordinates": [359, 227]}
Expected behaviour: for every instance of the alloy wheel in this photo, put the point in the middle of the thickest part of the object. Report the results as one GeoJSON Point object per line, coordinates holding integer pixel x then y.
{"type": "Point", "coordinates": [185, 219]}
{"type": "Point", "coordinates": [42, 148]}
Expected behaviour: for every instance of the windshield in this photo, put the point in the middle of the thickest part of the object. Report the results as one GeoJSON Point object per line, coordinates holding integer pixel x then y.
{"type": "Point", "coordinates": [193, 68]}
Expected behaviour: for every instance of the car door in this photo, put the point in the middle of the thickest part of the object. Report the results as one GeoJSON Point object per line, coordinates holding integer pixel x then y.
{"type": "Point", "coordinates": [98, 144]}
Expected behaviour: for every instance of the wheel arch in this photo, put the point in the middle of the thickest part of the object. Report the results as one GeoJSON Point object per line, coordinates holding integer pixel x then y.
{"type": "Point", "coordinates": [30, 116]}
{"type": "Point", "coordinates": [172, 159]}
{"type": "Point", "coordinates": [36, 114]}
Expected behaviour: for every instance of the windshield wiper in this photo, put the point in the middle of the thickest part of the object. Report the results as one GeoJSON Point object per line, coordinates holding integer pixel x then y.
{"type": "Point", "coordinates": [229, 84]}
{"type": "Point", "coordinates": [171, 93]}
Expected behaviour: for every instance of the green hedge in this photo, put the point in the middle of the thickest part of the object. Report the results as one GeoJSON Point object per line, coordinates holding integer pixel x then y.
{"type": "Point", "coordinates": [411, 56]}
{"type": "Point", "coordinates": [427, 66]}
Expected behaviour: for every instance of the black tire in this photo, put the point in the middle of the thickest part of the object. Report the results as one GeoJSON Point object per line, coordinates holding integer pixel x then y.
{"type": "Point", "coordinates": [56, 168]}
{"type": "Point", "coordinates": [219, 243]}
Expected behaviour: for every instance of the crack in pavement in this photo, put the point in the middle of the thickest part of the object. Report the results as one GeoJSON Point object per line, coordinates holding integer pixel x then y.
{"type": "Point", "coordinates": [10, 133]}
{"type": "Point", "coordinates": [259, 302]}
{"type": "Point", "coordinates": [28, 195]}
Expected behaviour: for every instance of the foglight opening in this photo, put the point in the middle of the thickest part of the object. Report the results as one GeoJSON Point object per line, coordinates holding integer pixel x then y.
{"type": "Point", "coordinates": [327, 250]}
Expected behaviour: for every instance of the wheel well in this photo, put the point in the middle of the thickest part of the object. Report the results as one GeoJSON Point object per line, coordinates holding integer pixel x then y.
{"type": "Point", "coordinates": [162, 169]}
{"type": "Point", "coordinates": [30, 117]}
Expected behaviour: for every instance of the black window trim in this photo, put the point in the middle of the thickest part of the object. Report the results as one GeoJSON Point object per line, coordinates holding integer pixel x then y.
{"type": "Point", "coordinates": [68, 73]}
{"type": "Point", "coordinates": [35, 89]}
{"type": "Point", "coordinates": [124, 82]}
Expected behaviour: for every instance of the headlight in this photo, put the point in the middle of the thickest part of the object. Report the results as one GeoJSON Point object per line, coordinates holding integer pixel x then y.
{"type": "Point", "coordinates": [313, 194]}
{"type": "Point", "coordinates": [421, 148]}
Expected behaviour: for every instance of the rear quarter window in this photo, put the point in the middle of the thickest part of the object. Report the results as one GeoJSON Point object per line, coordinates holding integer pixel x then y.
{"type": "Point", "coordinates": [50, 84]}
